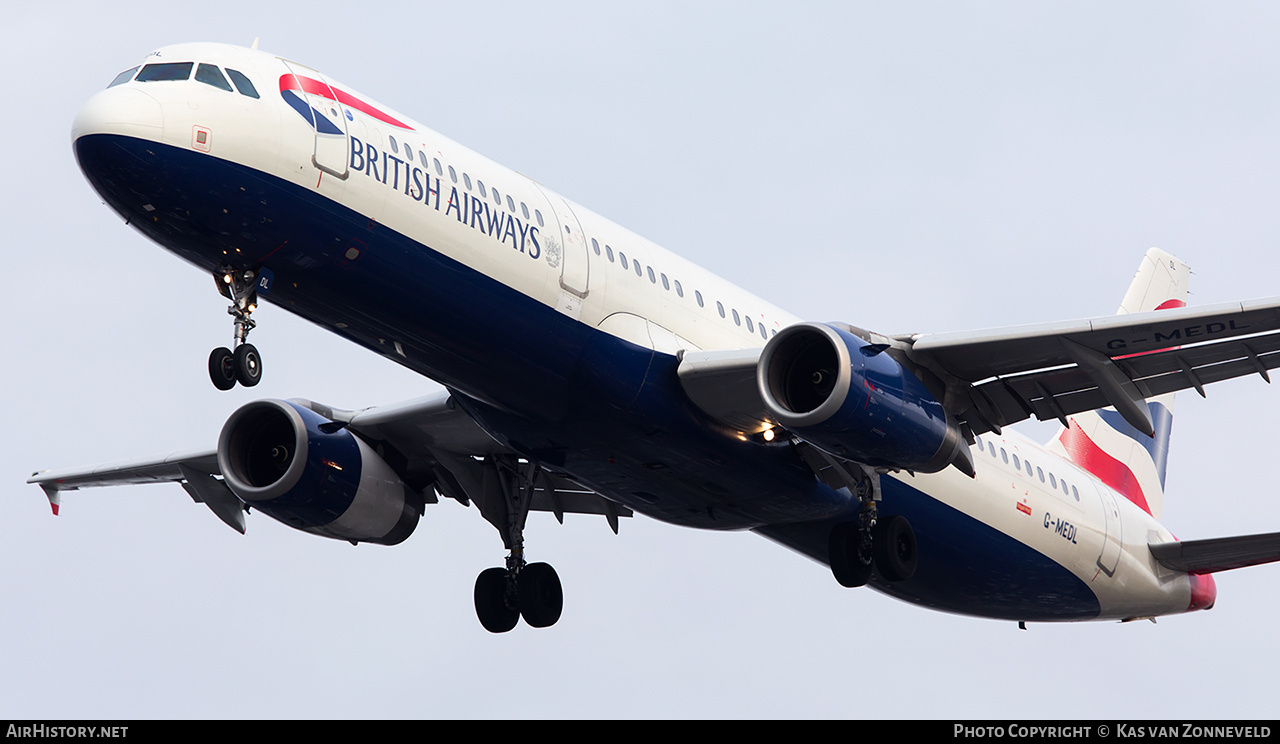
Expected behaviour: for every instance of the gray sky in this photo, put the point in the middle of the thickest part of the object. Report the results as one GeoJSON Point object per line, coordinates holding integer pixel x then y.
{"type": "Point", "coordinates": [900, 166]}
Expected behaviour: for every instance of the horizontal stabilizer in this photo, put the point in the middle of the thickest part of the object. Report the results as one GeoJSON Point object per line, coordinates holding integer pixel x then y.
{"type": "Point", "coordinates": [1218, 554]}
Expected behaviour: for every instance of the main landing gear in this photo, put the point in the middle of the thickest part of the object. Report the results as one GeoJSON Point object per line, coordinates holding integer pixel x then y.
{"type": "Point", "coordinates": [528, 590]}
{"type": "Point", "coordinates": [855, 549]}
{"type": "Point", "coordinates": [888, 544]}
{"type": "Point", "coordinates": [244, 365]}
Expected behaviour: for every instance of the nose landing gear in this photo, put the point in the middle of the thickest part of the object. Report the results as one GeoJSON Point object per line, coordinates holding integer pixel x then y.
{"type": "Point", "coordinates": [244, 364]}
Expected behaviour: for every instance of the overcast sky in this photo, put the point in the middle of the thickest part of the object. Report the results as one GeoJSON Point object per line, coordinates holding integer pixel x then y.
{"type": "Point", "coordinates": [899, 166]}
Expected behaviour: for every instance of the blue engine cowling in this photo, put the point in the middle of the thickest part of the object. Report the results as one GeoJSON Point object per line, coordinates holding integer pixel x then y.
{"type": "Point", "coordinates": [296, 466]}
{"type": "Point", "coordinates": [852, 400]}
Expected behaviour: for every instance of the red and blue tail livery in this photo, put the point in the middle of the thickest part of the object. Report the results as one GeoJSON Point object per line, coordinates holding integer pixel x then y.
{"type": "Point", "coordinates": [587, 370]}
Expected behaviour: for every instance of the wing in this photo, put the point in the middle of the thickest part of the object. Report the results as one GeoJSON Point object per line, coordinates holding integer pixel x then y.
{"type": "Point", "coordinates": [996, 377]}
{"type": "Point", "coordinates": [1001, 376]}
{"type": "Point", "coordinates": [432, 443]}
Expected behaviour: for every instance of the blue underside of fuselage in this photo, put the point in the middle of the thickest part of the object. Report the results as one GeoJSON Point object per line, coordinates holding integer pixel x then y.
{"type": "Point", "coordinates": [610, 414]}
{"type": "Point", "coordinates": [965, 566]}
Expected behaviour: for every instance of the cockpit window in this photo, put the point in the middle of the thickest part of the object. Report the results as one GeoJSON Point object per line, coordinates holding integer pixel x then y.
{"type": "Point", "coordinates": [123, 77]}
{"type": "Point", "coordinates": [165, 71]}
{"type": "Point", "coordinates": [242, 83]}
{"type": "Point", "coordinates": [211, 75]}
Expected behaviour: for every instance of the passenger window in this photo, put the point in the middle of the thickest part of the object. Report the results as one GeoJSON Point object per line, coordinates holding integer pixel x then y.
{"type": "Point", "coordinates": [242, 83]}
{"type": "Point", "coordinates": [720, 307]}
{"type": "Point", "coordinates": [394, 147]}
{"type": "Point", "coordinates": [525, 211]}
{"type": "Point", "coordinates": [1016, 465]}
{"type": "Point", "coordinates": [623, 256]}
{"type": "Point", "coordinates": [1075, 493]}
{"type": "Point", "coordinates": [1064, 486]}
{"type": "Point", "coordinates": [736, 319]}
{"type": "Point", "coordinates": [165, 71]}
{"type": "Point", "coordinates": [496, 199]}
{"type": "Point", "coordinates": [608, 251]}
{"type": "Point", "coordinates": [408, 153]}
{"type": "Point", "coordinates": [665, 284]}
{"type": "Point", "coordinates": [697, 295]}
{"type": "Point", "coordinates": [125, 77]}
{"type": "Point", "coordinates": [537, 214]}
{"type": "Point", "coordinates": [763, 335]}
{"type": "Point", "coordinates": [750, 327]}
{"type": "Point", "coordinates": [483, 193]}
{"type": "Point", "coordinates": [679, 289]}
{"type": "Point", "coordinates": [453, 175]}
{"type": "Point", "coordinates": [467, 181]}
{"type": "Point", "coordinates": [652, 279]}
{"type": "Point", "coordinates": [1004, 455]}
{"type": "Point", "coordinates": [636, 266]}
{"type": "Point", "coordinates": [422, 158]}
{"type": "Point", "coordinates": [511, 206]}
{"type": "Point", "coordinates": [439, 169]}
{"type": "Point", "coordinates": [1040, 473]}
{"type": "Point", "coordinates": [594, 245]}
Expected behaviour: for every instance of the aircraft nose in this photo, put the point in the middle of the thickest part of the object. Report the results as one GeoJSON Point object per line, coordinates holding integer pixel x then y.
{"type": "Point", "coordinates": [119, 110]}
{"type": "Point", "coordinates": [1204, 592]}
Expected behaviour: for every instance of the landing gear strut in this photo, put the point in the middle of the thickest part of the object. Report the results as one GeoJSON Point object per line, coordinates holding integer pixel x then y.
{"type": "Point", "coordinates": [528, 590]}
{"type": "Point", "coordinates": [854, 549]}
{"type": "Point", "coordinates": [244, 365]}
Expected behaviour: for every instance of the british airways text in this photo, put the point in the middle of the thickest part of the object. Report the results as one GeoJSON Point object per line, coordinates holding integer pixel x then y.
{"type": "Point", "coordinates": [419, 185]}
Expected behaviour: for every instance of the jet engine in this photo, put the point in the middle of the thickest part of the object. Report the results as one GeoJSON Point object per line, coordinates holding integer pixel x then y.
{"type": "Point", "coordinates": [296, 466]}
{"type": "Point", "coordinates": [852, 400]}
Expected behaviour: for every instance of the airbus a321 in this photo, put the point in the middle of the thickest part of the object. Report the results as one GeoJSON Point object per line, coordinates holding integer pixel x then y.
{"type": "Point", "coordinates": [590, 371]}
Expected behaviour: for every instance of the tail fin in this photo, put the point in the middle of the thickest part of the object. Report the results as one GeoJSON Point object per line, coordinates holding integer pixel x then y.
{"type": "Point", "coordinates": [1101, 441]}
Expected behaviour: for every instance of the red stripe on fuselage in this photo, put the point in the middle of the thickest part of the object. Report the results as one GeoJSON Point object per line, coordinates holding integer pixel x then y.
{"type": "Point", "coordinates": [1109, 470]}
{"type": "Point", "coordinates": [308, 85]}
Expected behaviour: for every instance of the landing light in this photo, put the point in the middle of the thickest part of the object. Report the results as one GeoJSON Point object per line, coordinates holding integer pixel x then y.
{"type": "Point", "coordinates": [767, 434]}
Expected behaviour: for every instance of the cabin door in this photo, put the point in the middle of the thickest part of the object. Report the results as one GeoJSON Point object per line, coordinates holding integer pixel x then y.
{"type": "Point", "coordinates": [569, 248]}
{"type": "Point", "coordinates": [311, 95]}
{"type": "Point", "coordinates": [1114, 538]}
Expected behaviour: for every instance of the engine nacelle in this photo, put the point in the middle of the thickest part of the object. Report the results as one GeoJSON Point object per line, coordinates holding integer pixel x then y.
{"type": "Point", "coordinates": [296, 466]}
{"type": "Point", "coordinates": [852, 400]}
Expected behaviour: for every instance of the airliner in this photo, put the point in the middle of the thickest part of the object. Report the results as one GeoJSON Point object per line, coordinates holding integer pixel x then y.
{"type": "Point", "coordinates": [588, 371]}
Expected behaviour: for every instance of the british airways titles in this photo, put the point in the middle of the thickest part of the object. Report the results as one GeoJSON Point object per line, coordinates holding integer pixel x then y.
{"type": "Point", "coordinates": [418, 184]}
